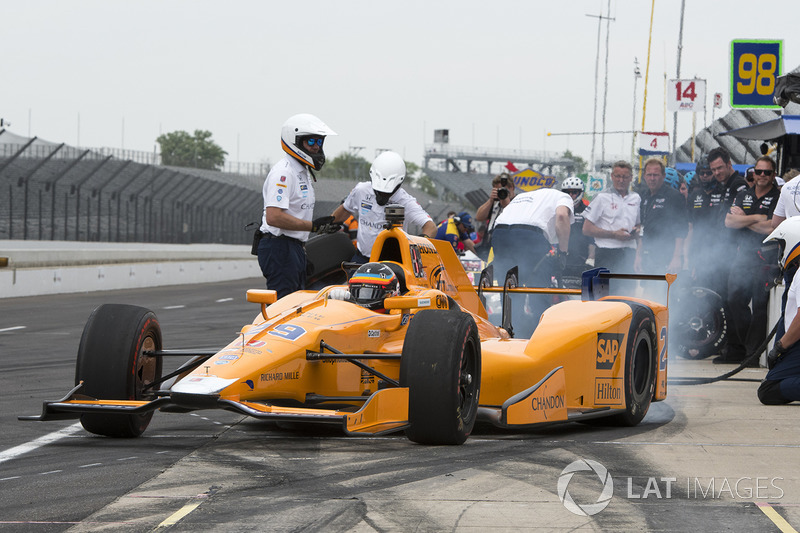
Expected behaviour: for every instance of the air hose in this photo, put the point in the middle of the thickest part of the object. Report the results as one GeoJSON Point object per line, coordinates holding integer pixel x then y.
{"type": "Point", "coordinates": [747, 360]}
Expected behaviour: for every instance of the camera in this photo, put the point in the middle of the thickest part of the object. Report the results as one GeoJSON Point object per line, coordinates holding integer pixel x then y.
{"type": "Point", "coordinates": [502, 192]}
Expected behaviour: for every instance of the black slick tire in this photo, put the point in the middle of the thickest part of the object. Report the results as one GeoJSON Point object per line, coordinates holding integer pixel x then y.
{"type": "Point", "coordinates": [112, 365]}
{"type": "Point", "coordinates": [641, 365]}
{"type": "Point", "coordinates": [441, 366]}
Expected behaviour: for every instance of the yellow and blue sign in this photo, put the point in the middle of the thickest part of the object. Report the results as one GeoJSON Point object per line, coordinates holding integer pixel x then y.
{"type": "Point", "coordinates": [530, 180]}
{"type": "Point", "coordinates": [755, 65]}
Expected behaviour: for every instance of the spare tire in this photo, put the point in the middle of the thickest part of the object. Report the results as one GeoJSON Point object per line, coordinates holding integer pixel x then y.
{"type": "Point", "coordinates": [699, 325]}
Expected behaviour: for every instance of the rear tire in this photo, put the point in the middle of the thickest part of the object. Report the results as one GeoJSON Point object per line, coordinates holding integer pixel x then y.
{"type": "Point", "coordinates": [112, 365]}
{"type": "Point", "coordinates": [441, 366]}
{"type": "Point", "coordinates": [640, 369]}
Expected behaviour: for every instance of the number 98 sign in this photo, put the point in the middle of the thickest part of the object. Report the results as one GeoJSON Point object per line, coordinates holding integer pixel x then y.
{"type": "Point", "coordinates": [755, 65]}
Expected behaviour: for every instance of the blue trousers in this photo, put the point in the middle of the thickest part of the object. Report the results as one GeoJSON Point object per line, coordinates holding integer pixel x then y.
{"type": "Point", "coordinates": [527, 250]}
{"type": "Point", "coordinates": [283, 263]}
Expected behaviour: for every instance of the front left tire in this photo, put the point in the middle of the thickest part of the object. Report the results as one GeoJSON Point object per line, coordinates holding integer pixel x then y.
{"type": "Point", "coordinates": [441, 366]}
{"type": "Point", "coordinates": [112, 365]}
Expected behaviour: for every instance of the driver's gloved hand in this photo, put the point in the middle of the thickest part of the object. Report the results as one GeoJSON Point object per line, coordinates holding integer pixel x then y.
{"type": "Point", "coordinates": [339, 294]}
{"type": "Point", "coordinates": [561, 260]}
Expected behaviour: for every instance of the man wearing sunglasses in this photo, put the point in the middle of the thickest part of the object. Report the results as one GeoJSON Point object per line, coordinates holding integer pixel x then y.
{"type": "Point", "coordinates": [750, 217]}
{"type": "Point", "coordinates": [288, 192]}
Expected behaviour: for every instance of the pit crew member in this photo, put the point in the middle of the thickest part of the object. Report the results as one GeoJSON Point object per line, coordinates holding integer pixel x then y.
{"type": "Point", "coordinates": [613, 220]}
{"type": "Point", "coordinates": [457, 229]}
{"type": "Point", "coordinates": [367, 201]}
{"type": "Point", "coordinates": [664, 226]}
{"type": "Point", "coordinates": [750, 217]}
{"type": "Point", "coordinates": [523, 236]}
{"type": "Point", "coordinates": [288, 192]}
{"type": "Point", "coordinates": [782, 383]}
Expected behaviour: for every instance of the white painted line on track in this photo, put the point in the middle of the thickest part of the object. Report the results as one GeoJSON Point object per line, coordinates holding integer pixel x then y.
{"type": "Point", "coordinates": [224, 300]}
{"type": "Point", "coordinates": [16, 451]}
{"type": "Point", "coordinates": [174, 307]}
{"type": "Point", "coordinates": [12, 328]}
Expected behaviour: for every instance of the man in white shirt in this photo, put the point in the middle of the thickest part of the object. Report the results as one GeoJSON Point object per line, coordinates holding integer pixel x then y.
{"type": "Point", "coordinates": [288, 192]}
{"type": "Point", "coordinates": [613, 220]}
{"type": "Point", "coordinates": [523, 236]}
{"type": "Point", "coordinates": [367, 202]}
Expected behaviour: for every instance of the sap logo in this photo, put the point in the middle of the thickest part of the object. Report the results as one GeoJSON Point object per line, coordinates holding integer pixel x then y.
{"type": "Point", "coordinates": [608, 345]}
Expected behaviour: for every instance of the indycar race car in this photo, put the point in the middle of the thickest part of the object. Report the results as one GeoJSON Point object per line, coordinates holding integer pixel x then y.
{"type": "Point", "coordinates": [429, 363]}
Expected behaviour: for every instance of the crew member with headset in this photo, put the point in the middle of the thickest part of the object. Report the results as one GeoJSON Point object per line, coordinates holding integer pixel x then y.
{"type": "Point", "coordinates": [368, 201]}
{"type": "Point", "coordinates": [455, 229]}
{"type": "Point", "coordinates": [288, 192]}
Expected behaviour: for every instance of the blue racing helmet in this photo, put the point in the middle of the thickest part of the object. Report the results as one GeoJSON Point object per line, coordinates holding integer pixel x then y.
{"type": "Point", "coordinates": [672, 177]}
{"type": "Point", "coordinates": [689, 176]}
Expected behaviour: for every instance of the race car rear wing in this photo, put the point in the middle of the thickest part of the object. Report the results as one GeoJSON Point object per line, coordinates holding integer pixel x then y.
{"type": "Point", "coordinates": [595, 282]}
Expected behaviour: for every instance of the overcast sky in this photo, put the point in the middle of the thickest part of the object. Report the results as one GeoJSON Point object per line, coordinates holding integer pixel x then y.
{"type": "Point", "coordinates": [381, 74]}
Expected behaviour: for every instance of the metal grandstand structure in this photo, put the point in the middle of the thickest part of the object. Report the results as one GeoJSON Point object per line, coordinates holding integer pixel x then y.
{"type": "Point", "coordinates": [52, 191]}
{"type": "Point", "coordinates": [466, 171]}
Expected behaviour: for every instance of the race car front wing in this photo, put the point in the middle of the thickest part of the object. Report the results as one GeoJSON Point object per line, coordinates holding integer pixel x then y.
{"type": "Point", "coordinates": [384, 411]}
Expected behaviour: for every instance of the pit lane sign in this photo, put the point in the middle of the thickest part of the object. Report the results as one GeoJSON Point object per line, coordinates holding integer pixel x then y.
{"type": "Point", "coordinates": [755, 65]}
{"type": "Point", "coordinates": [653, 143]}
{"type": "Point", "coordinates": [686, 95]}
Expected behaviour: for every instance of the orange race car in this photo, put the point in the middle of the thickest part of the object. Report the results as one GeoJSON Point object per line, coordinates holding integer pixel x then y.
{"type": "Point", "coordinates": [428, 362]}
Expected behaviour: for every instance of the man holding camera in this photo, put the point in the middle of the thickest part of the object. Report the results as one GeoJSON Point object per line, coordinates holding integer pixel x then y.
{"type": "Point", "coordinates": [499, 197]}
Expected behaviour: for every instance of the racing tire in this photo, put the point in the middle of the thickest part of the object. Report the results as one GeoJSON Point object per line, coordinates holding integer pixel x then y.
{"type": "Point", "coordinates": [112, 365]}
{"type": "Point", "coordinates": [641, 369]}
{"type": "Point", "coordinates": [700, 328]}
{"type": "Point", "coordinates": [441, 366]}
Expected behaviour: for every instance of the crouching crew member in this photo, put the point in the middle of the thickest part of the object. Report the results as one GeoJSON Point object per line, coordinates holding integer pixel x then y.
{"type": "Point", "coordinates": [782, 382]}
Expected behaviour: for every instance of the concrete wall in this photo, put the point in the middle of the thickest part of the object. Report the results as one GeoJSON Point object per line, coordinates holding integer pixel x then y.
{"type": "Point", "coordinates": [54, 267]}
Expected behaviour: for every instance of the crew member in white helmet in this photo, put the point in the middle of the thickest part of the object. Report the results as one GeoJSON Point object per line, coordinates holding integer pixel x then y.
{"type": "Point", "coordinates": [367, 200]}
{"type": "Point", "coordinates": [288, 192]}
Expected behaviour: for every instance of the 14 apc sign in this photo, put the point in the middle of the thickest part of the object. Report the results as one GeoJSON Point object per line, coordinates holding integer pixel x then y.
{"type": "Point", "coordinates": [686, 95]}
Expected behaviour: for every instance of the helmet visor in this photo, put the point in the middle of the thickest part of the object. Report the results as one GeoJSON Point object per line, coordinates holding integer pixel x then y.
{"type": "Point", "coordinates": [366, 293]}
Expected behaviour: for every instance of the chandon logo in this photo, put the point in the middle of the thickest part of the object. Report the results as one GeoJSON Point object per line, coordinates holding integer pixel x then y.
{"type": "Point", "coordinates": [587, 509]}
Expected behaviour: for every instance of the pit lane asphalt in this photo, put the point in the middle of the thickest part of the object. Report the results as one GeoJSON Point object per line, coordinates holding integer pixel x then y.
{"type": "Point", "coordinates": [222, 472]}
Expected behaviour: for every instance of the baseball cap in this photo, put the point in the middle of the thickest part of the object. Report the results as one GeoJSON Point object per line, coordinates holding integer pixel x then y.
{"type": "Point", "coordinates": [466, 219]}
